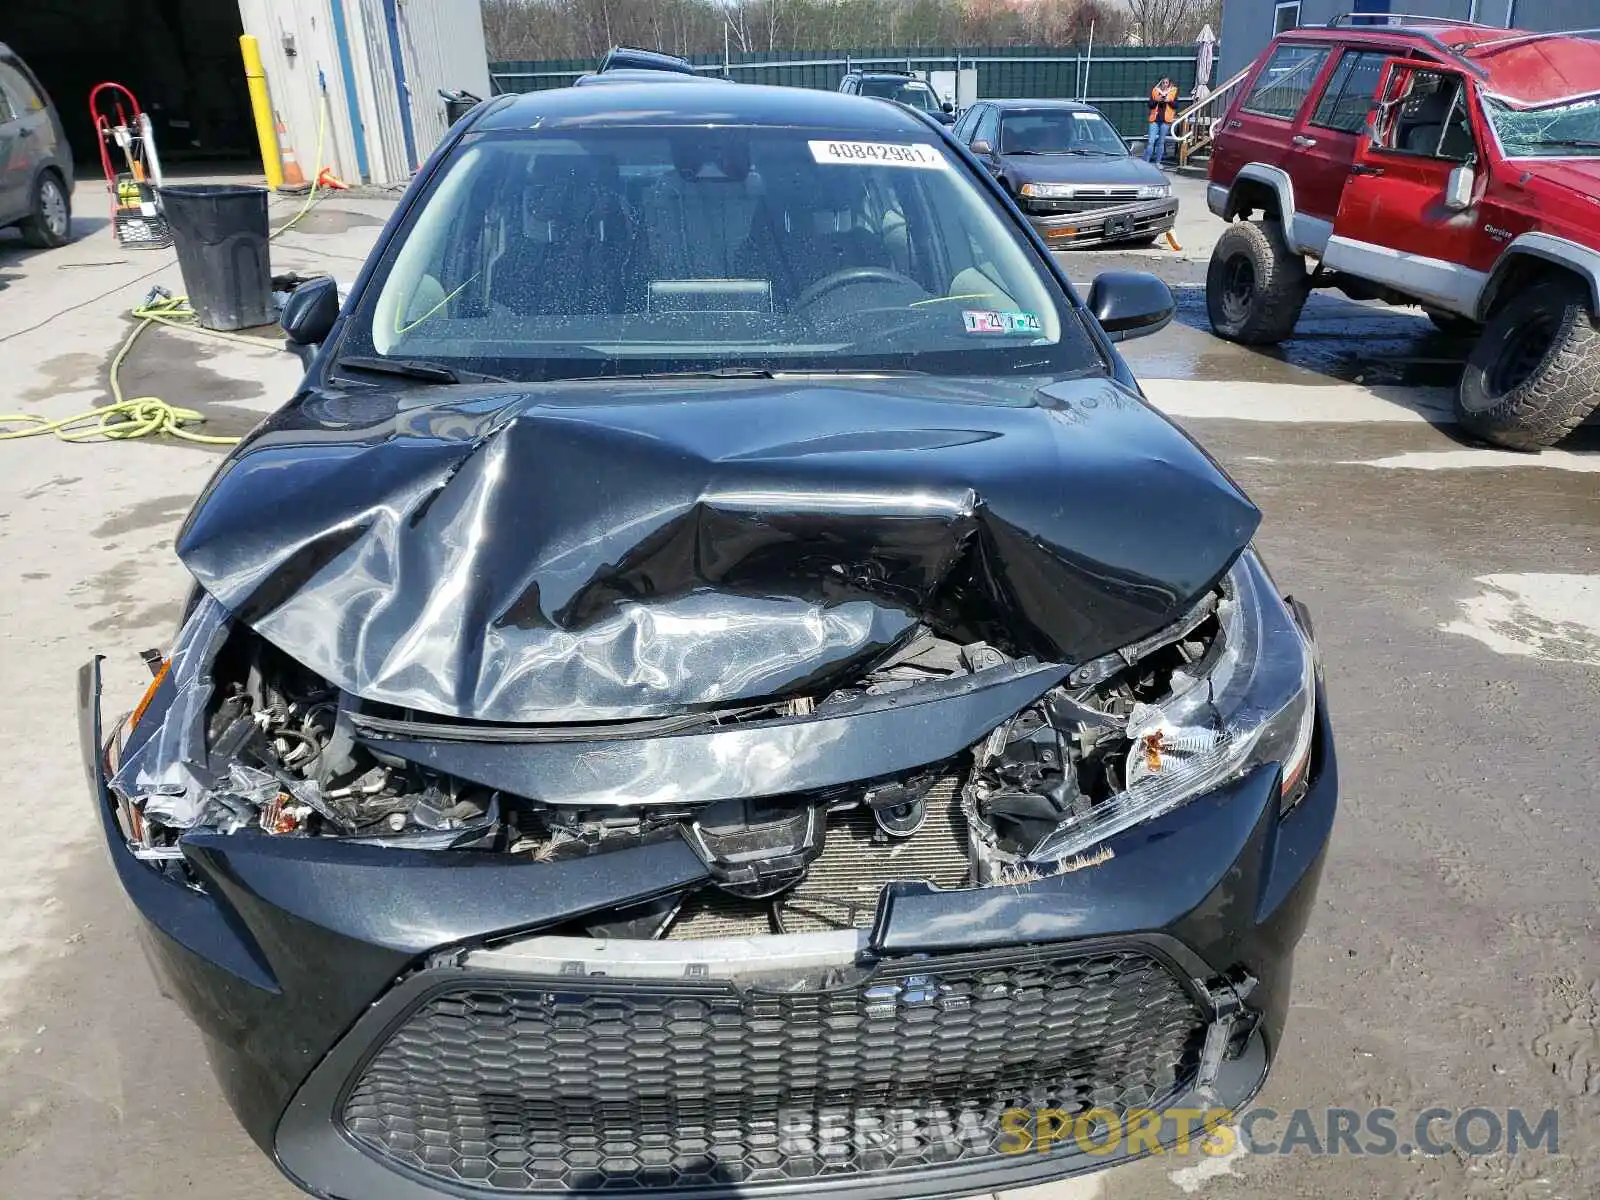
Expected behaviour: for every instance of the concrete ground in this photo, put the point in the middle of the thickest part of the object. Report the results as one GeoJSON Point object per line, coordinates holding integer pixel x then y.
{"type": "Point", "coordinates": [1451, 960]}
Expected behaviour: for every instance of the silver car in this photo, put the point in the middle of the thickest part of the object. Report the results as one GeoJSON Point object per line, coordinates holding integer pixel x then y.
{"type": "Point", "coordinates": [35, 161]}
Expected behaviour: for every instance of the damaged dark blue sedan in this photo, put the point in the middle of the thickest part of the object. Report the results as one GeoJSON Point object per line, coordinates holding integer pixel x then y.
{"type": "Point", "coordinates": [719, 684]}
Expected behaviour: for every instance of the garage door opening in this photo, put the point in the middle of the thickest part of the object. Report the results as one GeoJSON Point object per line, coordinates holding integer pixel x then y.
{"type": "Point", "coordinates": [180, 58]}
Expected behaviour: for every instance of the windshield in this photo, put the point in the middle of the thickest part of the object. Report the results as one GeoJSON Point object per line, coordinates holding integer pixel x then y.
{"type": "Point", "coordinates": [908, 92]}
{"type": "Point", "coordinates": [1554, 130]}
{"type": "Point", "coordinates": [1059, 131]}
{"type": "Point", "coordinates": [541, 255]}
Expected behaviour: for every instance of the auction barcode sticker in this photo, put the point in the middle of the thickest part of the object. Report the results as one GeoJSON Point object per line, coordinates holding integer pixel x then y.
{"type": "Point", "coordinates": [880, 154]}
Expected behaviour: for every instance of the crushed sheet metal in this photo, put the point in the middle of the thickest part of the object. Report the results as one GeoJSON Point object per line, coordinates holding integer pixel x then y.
{"type": "Point", "coordinates": [627, 548]}
{"type": "Point", "coordinates": [162, 762]}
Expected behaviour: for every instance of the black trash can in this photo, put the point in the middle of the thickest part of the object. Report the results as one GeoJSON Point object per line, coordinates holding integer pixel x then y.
{"type": "Point", "coordinates": [220, 232]}
{"type": "Point", "coordinates": [457, 105]}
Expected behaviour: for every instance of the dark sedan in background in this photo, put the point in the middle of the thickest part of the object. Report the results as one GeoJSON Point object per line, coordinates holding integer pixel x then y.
{"type": "Point", "coordinates": [1069, 171]}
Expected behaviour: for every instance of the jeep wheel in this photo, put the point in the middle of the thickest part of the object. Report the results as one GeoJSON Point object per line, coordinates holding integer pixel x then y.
{"type": "Point", "coordinates": [1535, 373]}
{"type": "Point", "coordinates": [1255, 285]}
{"type": "Point", "coordinates": [49, 222]}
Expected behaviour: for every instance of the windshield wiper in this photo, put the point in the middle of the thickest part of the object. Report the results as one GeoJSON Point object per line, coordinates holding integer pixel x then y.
{"type": "Point", "coordinates": [1578, 143]}
{"type": "Point", "coordinates": [414, 368]}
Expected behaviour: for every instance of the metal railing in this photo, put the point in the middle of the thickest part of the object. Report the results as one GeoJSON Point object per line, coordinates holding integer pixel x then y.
{"type": "Point", "coordinates": [1194, 129]}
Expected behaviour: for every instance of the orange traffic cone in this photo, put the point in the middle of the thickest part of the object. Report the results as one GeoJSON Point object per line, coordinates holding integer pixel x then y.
{"type": "Point", "coordinates": [294, 179]}
{"type": "Point", "coordinates": [328, 181]}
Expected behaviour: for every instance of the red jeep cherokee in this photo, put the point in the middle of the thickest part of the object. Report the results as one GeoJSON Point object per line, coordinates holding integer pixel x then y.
{"type": "Point", "coordinates": [1448, 165]}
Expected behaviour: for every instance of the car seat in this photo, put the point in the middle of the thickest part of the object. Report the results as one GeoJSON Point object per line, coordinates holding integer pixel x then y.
{"type": "Point", "coordinates": [1422, 120]}
{"type": "Point", "coordinates": [572, 250]}
{"type": "Point", "coordinates": [701, 218]}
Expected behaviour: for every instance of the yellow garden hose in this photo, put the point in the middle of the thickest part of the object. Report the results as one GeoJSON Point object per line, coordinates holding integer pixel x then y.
{"type": "Point", "coordinates": [149, 416]}
{"type": "Point", "coordinates": [143, 416]}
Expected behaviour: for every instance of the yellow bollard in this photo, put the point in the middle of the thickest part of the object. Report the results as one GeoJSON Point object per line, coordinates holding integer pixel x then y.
{"type": "Point", "coordinates": [266, 133]}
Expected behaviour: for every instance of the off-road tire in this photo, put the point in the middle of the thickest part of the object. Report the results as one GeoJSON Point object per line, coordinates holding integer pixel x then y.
{"type": "Point", "coordinates": [1256, 285]}
{"type": "Point", "coordinates": [1452, 324]}
{"type": "Point", "coordinates": [49, 221]}
{"type": "Point", "coordinates": [1534, 374]}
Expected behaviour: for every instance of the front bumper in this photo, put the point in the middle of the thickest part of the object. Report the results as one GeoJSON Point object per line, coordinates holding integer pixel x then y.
{"type": "Point", "coordinates": [1102, 226]}
{"type": "Point", "coordinates": [334, 990]}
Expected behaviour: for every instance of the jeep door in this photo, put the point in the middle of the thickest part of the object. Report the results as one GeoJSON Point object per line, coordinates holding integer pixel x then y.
{"type": "Point", "coordinates": [1259, 126]}
{"type": "Point", "coordinates": [1398, 222]}
{"type": "Point", "coordinates": [1324, 143]}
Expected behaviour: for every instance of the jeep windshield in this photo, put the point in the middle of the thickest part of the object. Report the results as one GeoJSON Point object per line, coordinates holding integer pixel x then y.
{"type": "Point", "coordinates": [1569, 129]}
{"type": "Point", "coordinates": [638, 251]}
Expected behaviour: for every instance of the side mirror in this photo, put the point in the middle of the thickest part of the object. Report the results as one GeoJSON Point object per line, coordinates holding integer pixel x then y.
{"type": "Point", "coordinates": [1458, 190]}
{"type": "Point", "coordinates": [981, 148]}
{"type": "Point", "coordinates": [1130, 304]}
{"type": "Point", "coordinates": [948, 107]}
{"type": "Point", "coordinates": [310, 311]}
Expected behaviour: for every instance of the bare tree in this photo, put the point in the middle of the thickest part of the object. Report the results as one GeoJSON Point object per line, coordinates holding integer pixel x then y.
{"type": "Point", "coordinates": [536, 29]}
{"type": "Point", "coordinates": [1164, 22]}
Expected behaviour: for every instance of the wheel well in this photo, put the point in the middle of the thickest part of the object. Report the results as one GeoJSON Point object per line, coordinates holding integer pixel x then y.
{"type": "Point", "coordinates": [1249, 196]}
{"type": "Point", "coordinates": [1525, 270]}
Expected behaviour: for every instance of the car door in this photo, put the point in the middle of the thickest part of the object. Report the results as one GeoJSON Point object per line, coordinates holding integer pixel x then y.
{"type": "Point", "coordinates": [1324, 142]}
{"type": "Point", "coordinates": [1397, 224]}
{"type": "Point", "coordinates": [16, 174]}
{"type": "Point", "coordinates": [1258, 128]}
{"type": "Point", "coordinates": [34, 142]}
{"type": "Point", "coordinates": [965, 123]}
{"type": "Point", "coordinates": [986, 133]}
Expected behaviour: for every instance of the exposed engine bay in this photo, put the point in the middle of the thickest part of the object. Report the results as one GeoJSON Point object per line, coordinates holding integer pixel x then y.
{"type": "Point", "coordinates": [266, 747]}
{"type": "Point", "coordinates": [821, 652]}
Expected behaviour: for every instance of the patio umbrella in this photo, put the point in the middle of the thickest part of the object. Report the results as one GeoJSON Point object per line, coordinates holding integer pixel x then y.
{"type": "Point", "coordinates": [1205, 55]}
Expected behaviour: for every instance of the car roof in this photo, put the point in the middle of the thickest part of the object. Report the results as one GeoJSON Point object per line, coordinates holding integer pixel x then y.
{"type": "Point", "coordinates": [1032, 105]}
{"type": "Point", "coordinates": [643, 75]}
{"type": "Point", "coordinates": [623, 58]}
{"type": "Point", "coordinates": [700, 102]}
{"type": "Point", "coordinates": [1521, 65]}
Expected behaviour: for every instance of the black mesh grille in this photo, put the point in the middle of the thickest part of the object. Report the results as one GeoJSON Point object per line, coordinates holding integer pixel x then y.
{"type": "Point", "coordinates": [553, 1085]}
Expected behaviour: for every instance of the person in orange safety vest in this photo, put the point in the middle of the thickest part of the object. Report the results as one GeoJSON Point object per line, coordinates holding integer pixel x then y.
{"type": "Point", "coordinates": [1163, 109]}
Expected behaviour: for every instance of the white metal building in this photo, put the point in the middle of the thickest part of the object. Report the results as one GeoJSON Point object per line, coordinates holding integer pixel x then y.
{"type": "Point", "coordinates": [379, 63]}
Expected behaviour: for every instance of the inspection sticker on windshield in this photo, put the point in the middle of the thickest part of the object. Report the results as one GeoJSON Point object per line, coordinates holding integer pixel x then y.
{"type": "Point", "coordinates": [880, 154]}
{"type": "Point", "coordinates": [1001, 322]}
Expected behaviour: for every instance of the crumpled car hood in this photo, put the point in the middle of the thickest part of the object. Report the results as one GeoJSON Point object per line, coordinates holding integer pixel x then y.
{"type": "Point", "coordinates": [622, 549]}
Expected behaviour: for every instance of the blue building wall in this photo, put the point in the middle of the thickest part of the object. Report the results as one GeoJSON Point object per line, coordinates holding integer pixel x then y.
{"type": "Point", "coordinates": [1247, 25]}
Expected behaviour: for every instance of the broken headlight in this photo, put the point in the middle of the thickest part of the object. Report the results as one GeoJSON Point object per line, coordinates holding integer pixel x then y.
{"type": "Point", "coordinates": [1249, 699]}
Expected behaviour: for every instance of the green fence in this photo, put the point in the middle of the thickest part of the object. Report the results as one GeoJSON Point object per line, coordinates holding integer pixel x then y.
{"type": "Point", "coordinates": [1116, 79]}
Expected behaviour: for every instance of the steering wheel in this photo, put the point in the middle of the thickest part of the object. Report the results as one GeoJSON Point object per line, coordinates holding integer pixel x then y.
{"type": "Point", "coordinates": [848, 278]}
